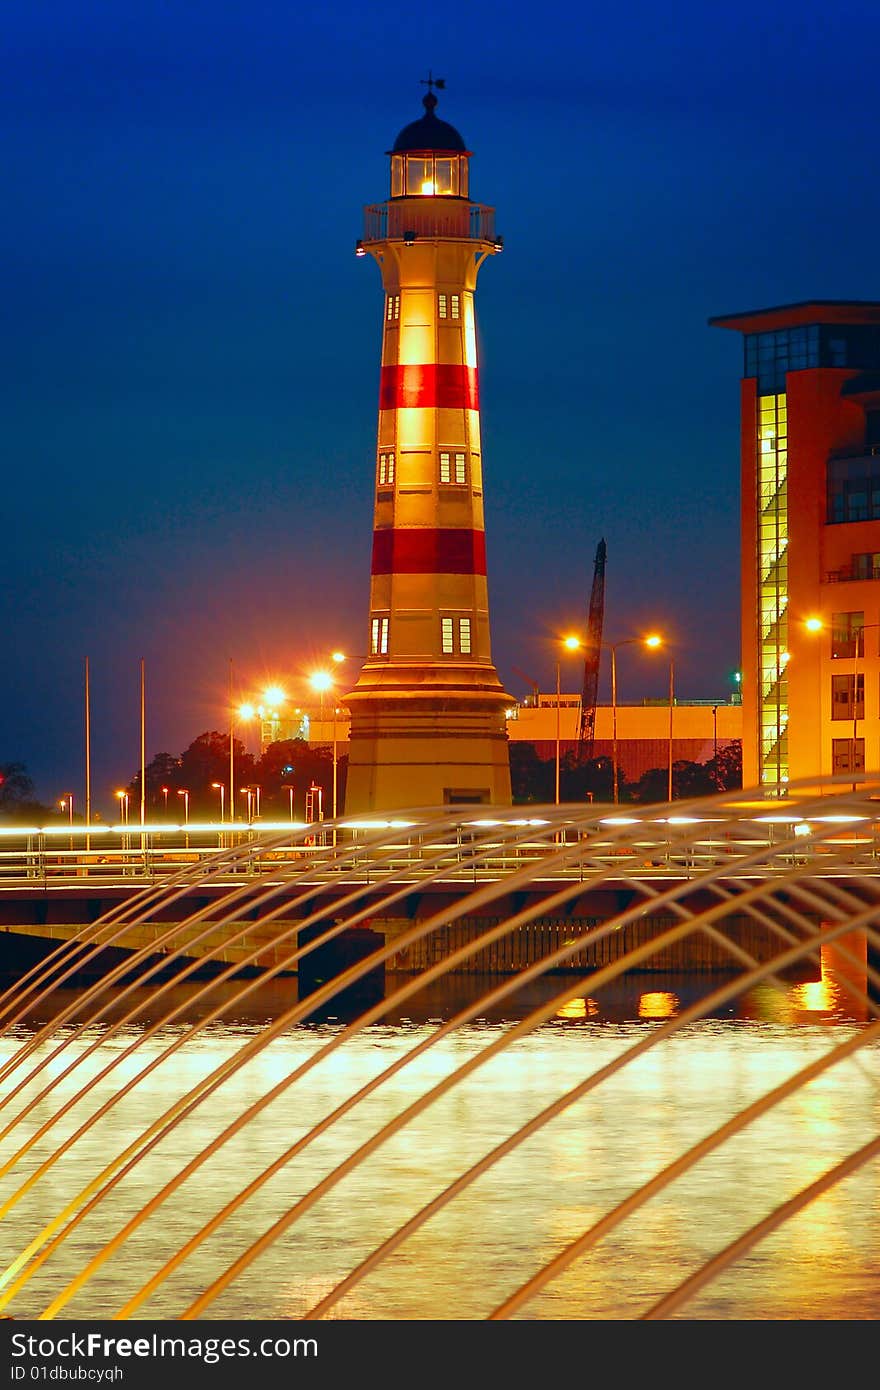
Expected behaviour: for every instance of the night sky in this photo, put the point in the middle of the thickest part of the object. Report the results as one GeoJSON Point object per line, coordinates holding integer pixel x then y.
{"type": "Point", "coordinates": [191, 348]}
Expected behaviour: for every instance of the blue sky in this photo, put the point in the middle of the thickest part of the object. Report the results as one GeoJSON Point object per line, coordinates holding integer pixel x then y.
{"type": "Point", "coordinates": [191, 348]}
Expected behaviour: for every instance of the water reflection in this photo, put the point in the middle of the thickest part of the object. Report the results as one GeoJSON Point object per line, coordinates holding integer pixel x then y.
{"type": "Point", "coordinates": [498, 1231]}
{"type": "Point", "coordinates": [837, 995]}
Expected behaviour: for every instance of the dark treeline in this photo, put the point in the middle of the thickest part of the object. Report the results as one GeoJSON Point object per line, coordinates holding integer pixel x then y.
{"type": "Point", "coordinates": [293, 764]}
{"type": "Point", "coordinates": [533, 779]}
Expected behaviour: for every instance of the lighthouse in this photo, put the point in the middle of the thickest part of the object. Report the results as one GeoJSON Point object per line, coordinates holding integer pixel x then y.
{"type": "Point", "coordinates": [428, 711]}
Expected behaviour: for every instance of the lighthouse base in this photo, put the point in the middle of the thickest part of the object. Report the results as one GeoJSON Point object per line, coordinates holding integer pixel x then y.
{"type": "Point", "coordinates": [412, 748]}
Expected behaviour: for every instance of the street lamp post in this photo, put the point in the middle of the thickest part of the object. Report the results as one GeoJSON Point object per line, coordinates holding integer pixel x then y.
{"type": "Point", "coordinates": [323, 681]}
{"type": "Point", "coordinates": [185, 794]}
{"type": "Point", "coordinates": [165, 802]}
{"type": "Point", "coordinates": [571, 644]}
{"type": "Point", "coordinates": [221, 788]}
{"type": "Point", "coordinates": [653, 641]}
{"type": "Point", "coordinates": [123, 815]}
{"type": "Point", "coordinates": [290, 795]}
{"type": "Point", "coordinates": [672, 705]}
{"type": "Point", "coordinates": [66, 804]}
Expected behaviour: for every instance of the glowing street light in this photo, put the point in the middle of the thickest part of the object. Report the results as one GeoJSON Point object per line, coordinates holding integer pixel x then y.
{"type": "Point", "coordinates": [165, 791]}
{"type": "Point", "coordinates": [290, 791]}
{"type": "Point", "coordinates": [221, 788]}
{"type": "Point", "coordinates": [123, 798]}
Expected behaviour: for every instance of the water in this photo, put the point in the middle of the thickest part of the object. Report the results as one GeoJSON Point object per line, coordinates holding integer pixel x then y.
{"type": "Point", "coordinates": [481, 1247]}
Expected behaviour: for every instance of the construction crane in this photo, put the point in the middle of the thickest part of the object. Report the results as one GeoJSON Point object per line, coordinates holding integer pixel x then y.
{"type": "Point", "coordinates": [532, 682]}
{"type": "Point", "coordinates": [593, 647]}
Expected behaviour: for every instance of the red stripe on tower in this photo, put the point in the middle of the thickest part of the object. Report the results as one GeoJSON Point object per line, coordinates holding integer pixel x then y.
{"type": "Point", "coordinates": [429, 550]}
{"type": "Point", "coordinates": [435, 385]}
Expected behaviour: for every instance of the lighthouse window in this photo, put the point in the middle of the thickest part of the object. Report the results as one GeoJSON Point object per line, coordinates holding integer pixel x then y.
{"type": "Point", "coordinates": [449, 306]}
{"type": "Point", "coordinates": [392, 308]}
{"type": "Point", "coordinates": [379, 636]}
{"type": "Point", "coordinates": [419, 176]}
{"type": "Point", "coordinates": [448, 634]}
{"type": "Point", "coordinates": [453, 468]}
{"type": "Point", "coordinates": [386, 470]}
{"type": "Point", "coordinates": [444, 170]}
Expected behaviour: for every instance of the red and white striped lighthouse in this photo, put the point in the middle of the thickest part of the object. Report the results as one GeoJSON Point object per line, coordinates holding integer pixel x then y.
{"type": "Point", "coordinates": [428, 710]}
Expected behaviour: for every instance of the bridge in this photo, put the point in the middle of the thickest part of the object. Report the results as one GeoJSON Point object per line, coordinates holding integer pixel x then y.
{"type": "Point", "coordinates": [730, 888]}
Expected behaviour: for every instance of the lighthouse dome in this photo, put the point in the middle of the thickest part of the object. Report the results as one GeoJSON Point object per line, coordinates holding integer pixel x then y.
{"type": "Point", "coordinates": [429, 133]}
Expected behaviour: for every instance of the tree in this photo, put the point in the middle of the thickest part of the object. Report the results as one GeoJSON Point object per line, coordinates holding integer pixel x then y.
{"type": "Point", "coordinates": [300, 765]}
{"type": "Point", "coordinates": [531, 777]}
{"type": "Point", "coordinates": [17, 800]}
{"type": "Point", "coordinates": [204, 762]}
{"type": "Point", "coordinates": [727, 768]}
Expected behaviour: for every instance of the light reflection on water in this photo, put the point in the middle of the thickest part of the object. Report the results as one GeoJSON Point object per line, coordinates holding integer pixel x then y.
{"type": "Point", "coordinates": [511, 1221]}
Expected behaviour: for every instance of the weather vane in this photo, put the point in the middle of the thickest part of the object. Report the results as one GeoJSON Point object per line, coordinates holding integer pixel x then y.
{"type": "Point", "coordinates": [432, 81]}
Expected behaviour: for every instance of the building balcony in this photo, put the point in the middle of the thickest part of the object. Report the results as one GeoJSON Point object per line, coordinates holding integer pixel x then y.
{"type": "Point", "coordinates": [410, 219]}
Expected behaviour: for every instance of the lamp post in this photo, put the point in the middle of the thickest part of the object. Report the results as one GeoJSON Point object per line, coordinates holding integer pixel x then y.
{"type": "Point", "coordinates": [571, 644]}
{"type": "Point", "coordinates": [652, 641]}
{"type": "Point", "coordinates": [165, 802]}
{"type": "Point", "coordinates": [290, 794]}
{"type": "Point", "coordinates": [221, 788]}
{"type": "Point", "coordinates": [322, 681]}
{"type": "Point", "coordinates": [671, 708]}
{"type": "Point", "coordinates": [123, 815]}
{"type": "Point", "coordinates": [66, 803]}
{"type": "Point", "coordinates": [185, 794]}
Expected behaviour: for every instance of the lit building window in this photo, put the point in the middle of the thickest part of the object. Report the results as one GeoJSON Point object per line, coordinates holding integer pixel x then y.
{"type": "Point", "coordinates": [392, 308]}
{"type": "Point", "coordinates": [379, 636]}
{"type": "Point", "coordinates": [386, 469]}
{"type": "Point", "coordinates": [842, 759]}
{"type": "Point", "coordinates": [455, 306]}
{"type": "Point", "coordinates": [464, 636]}
{"type": "Point", "coordinates": [449, 306]}
{"type": "Point", "coordinates": [446, 636]}
{"type": "Point", "coordinates": [847, 637]}
{"type": "Point", "coordinates": [842, 697]}
{"type": "Point", "coordinates": [453, 467]}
